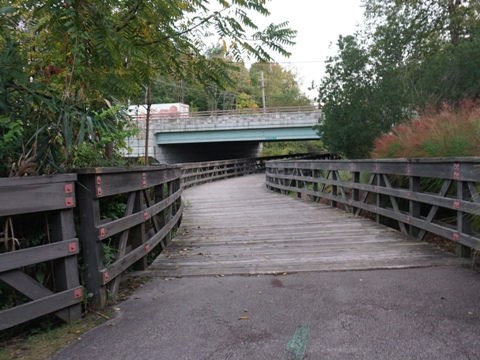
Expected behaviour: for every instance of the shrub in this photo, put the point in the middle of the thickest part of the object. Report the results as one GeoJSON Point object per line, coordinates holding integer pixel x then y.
{"type": "Point", "coordinates": [448, 132]}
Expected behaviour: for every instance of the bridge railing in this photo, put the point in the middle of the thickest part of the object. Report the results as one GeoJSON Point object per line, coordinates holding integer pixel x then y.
{"type": "Point", "coordinates": [203, 172]}
{"type": "Point", "coordinates": [27, 260]}
{"type": "Point", "coordinates": [416, 196]}
{"type": "Point", "coordinates": [146, 210]}
{"type": "Point", "coordinates": [233, 112]}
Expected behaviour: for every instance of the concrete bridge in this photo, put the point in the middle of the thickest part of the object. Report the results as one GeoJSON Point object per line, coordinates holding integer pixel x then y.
{"type": "Point", "coordinates": [220, 135]}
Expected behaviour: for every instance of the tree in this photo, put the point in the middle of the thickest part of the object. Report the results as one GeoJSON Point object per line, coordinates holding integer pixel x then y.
{"type": "Point", "coordinates": [351, 119]}
{"type": "Point", "coordinates": [79, 58]}
{"type": "Point", "coordinates": [281, 86]}
{"type": "Point", "coordinates": [435, 44]}
{"type": "Point", "coordinates": [412, 54]}
{"type": "Point", "coordinates": [281, 90]}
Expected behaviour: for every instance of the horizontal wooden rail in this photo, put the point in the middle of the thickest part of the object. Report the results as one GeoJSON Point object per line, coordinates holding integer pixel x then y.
{"type": "Point", "coordinates": [20, 197]}
{"type": "Point", "coordinates": [199, 173]}
{"type": "Point", "coordinates": [152, 212]}
{"type": "Point", "coordinates": [202, 172]}
{"type": "Point", "coordinates": [416, 196]}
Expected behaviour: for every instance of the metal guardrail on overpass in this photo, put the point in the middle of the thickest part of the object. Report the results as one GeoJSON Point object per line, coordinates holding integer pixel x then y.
{"type": "Point", "coordinates": [234, 112]}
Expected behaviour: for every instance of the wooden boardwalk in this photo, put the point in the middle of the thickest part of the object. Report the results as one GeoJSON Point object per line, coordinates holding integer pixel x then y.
{"type": "Point", "coordinates": [237, 226]}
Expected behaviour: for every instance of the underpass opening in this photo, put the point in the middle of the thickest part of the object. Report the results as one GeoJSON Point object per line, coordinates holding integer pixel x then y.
{"type": "Point", "coordinates": [199, 152]}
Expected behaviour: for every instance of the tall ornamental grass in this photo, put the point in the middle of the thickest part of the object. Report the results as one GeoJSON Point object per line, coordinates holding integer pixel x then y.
{"type": "Point", "coordinates": [448, 132]}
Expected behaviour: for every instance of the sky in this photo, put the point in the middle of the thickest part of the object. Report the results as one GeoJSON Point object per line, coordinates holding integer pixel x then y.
{"type": "Point", "coordinates": [319, 23]}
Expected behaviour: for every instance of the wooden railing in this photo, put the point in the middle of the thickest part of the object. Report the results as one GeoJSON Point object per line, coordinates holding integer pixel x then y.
{"type": "Point", "coordinates": [199, 173]}
{"type": "Point", "coordinates": [439, 196]}
{"type": "Point", "coordinates": [203, 172]}
{"type": "Point", "coordinates": [152, 211]}
{"type": "Point", "coordinates": [20, 197]}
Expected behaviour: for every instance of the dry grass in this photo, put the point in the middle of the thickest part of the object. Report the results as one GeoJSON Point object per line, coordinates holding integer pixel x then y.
{"type": "Point", "coordinates": [42, 346]}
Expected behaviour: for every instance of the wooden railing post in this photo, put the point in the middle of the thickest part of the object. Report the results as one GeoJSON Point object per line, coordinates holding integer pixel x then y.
{"type": "Point", "coordinates": [178, 202]}
{"type": "Point", "coordinates": [381, 199]}
{"type": "Point", "coordinates": [464, 223]}
{"type": "Point", "coordinates": [66, 269]}
{"type": "Point", "coordinates": [355, 192]}
{"type": "Point", "coordinates": [298, 183]}
{"type": "Point", "coordinates": [89, 208]}
{"type": "Point", "coordinates": [138, 232]}
{"type": "Point", "coordinates": [167, 214]}
{"type": "Point", "coordinates": [315, 175]}
{"type": "Point", "coordinates": [160, 195]}
{"type": "Point", "coordinates": [287, 172]}
{"type": "Point", "coordinates": [334, 187]}
{"type": "Point", "coordinates": [413, 206]}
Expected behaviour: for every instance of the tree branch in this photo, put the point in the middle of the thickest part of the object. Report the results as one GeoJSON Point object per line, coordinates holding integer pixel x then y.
{"type": "Point", "coordinates": [179, 33]}
{"type": "Point", "coordinates": [128, 17]}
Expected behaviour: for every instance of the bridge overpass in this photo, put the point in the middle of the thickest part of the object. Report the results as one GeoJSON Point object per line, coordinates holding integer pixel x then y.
{"type": "Point", "coordinates": [180, 137]}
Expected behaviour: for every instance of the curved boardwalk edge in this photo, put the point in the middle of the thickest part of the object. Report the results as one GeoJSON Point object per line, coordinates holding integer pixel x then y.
{"type": "Point", "coordinates": [237, 226]}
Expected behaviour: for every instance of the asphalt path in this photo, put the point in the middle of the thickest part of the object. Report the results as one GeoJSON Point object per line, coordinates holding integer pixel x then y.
{"type": "Point", "coordinates": [423, 313]}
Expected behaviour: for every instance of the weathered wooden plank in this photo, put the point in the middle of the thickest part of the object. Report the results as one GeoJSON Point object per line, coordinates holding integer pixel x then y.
{"type": "Point", "coordinates": [237, 226]}
{"type": "Point", "coordinates": [126, 222]}
{"type": "Point", "coordinates": [107, 184]}
{"type": "Point", "coordinates": [465, 169]}
{"type": "Point", "coordinates": [120, 169]}
{"type": "Point", "coordinates": [33, 290]}
{"type": "Point", "coordinates": [211, 176]}
{"type": "Point", "coordinates": [31, 197]}
{"type": "Point", "coordinates": [188, 166]}
{"type": "Point", "coordinates": [38, 180]}
{"type": "Point", "coordinates": [138, 253]}
{"type": "Point", "coordinates": [234, 168]}
{"type": "Point", "coordinates": [25, 284]}
{"type": "Point", "coordinates": [37, 254]}
{"type": "Point", "coordinates": [37, 308]}
{"type": "Point", "coordinates": [428, 198]}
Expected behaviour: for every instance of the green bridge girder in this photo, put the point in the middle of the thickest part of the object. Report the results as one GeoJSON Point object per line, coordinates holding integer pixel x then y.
{"type": "Point", "coordinates": [260, 135]}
